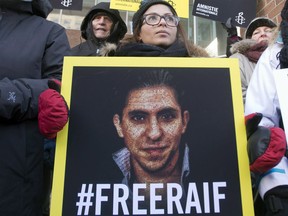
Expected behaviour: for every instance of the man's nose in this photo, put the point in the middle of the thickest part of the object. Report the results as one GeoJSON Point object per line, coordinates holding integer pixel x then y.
{"type": "Point", "coordinates": [101, 19]}
{"type": "Point", "coordinates": [154, 129]}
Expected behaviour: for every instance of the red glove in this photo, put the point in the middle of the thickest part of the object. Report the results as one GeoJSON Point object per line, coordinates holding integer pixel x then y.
{"type": "Point", "coordinates": [266, 146]}
{"type": "Point", "coordinates": [53, 111]}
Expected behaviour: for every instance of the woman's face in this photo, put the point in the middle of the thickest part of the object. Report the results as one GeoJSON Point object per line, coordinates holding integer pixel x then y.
{"type": "Point", "coordinates": [262, 33]}
{"type": "Point", "coordinates": [161, 34]}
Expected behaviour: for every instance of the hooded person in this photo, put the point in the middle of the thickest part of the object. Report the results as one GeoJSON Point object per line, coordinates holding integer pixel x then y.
{"type": "Point", "coordinates": [31, 52]}
{"type": "Point", "coordinates": [258, 35]}
{"type": "Point", "coordinates": [156, 33]}
{"type": "Point", "coordinates": [101, 26]}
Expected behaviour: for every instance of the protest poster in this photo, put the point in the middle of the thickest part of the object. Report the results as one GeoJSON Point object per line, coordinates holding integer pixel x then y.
{"type": "Point", "coordinates": [67, 4]}
{"type": "Point", "coordinates": [181, 6]}
{"type": "Point", "coordinates": [200, 113]}
{"type": "Point", "coordinates": [242, 12]}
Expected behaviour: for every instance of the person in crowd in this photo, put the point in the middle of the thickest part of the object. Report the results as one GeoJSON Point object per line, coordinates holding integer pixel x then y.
{"type": "Point", "coordinates": [267, 144]}
{"type": "Point", "coordinates": [157, 32]}
{"type": "Point", "coordinates": [102, 26]}
{"type": "Point", "coordinates": [150, 118]}
{"type": "Point", "coordinates": [259, 33]}
{"type": "Point", "coordinates": [31, 52]}
{"type": "Point", "coordinates": [232, 35]}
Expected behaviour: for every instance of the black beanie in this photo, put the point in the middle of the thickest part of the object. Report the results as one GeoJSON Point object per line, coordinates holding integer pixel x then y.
{"type": "Point", "coordinates": [144, 5]}
{"type": "Point", "coordinates": [258, 22]}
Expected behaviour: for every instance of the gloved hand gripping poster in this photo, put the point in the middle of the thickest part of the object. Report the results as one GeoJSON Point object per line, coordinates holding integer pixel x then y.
{"type": "Point", "coordinates": [152, 136]}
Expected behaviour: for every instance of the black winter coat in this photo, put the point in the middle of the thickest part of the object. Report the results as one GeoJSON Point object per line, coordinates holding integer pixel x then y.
{"type": "Point", "coordinates": [31, 52]}
{"type": "Point", "coordinates": [87, 48]}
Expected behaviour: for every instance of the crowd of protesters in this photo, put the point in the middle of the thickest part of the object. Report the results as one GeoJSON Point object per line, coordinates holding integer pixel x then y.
{"type": "Point", "coordinates": [32, 110]}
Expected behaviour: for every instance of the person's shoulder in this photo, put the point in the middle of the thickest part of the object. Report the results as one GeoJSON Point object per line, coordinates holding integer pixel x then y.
{"type": "Point", "coordinates": [238, 56]}
{"type": "Point", "coordinates": [242, 46]}
{"type": "Point", "coordinates": [53, 24]}
{"type": "Point", "coordinates": [83, 49]}
{"type": "Point", "coordinates": [49, 25]}
{"type": "Point", "coordinates": [197, 51]}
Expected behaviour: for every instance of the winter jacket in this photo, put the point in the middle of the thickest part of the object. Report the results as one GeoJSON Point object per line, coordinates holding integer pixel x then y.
{"type": "Point", "coordinates": [240, 50]}
{"type": "Point", "coordinates": [262, 98]}
{"type": "Point", "coordinates": [92, 45]}
{"type": "Point", "coordinates": [31, 52]}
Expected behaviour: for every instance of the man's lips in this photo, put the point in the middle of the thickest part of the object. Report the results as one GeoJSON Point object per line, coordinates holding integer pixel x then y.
{"type": "Point", "coordinates": [154, 149]}
{"type": "Point", "coordinates": [100, 29]}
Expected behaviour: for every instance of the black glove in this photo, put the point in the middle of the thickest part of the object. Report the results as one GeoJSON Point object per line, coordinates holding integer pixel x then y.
{"type": "Point", "coordinates": [266, 146]}
{"type": "Point", "coordinates": [229, 27]}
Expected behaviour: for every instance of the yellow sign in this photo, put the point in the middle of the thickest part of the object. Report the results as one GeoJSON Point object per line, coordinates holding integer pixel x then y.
{"type": "Point", "coordinates": [181, 6]}
{"type": "Point", "coordinates": [197, 107]}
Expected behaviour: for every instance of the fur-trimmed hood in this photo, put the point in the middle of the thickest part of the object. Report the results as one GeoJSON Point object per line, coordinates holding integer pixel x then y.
{"type": "Point", "coordinates": [198, 51]}
{"type": "Point", "coordinates": [108, 49]}
{"type": "Point", "coordinates": [242, 46]}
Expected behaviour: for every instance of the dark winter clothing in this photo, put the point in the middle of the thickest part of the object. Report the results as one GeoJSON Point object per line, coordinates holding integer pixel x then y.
{"type": "Point", "coordinates": [141, 49]}
{"type": "Point", "coordinates": [92, 45]}
{"type": "Point", "coordinates": [31, 52]}
{"type": "Point", "coordinates": [177, 49]}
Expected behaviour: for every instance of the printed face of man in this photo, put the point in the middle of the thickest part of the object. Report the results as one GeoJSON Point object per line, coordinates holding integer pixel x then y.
{"type": "Point", "coordinates": [102, 25]}
{"type": "Point", "coordinates": [152, 126]}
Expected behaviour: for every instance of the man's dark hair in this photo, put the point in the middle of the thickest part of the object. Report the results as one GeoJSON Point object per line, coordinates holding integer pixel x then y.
{"type": "Point", "coordinates": [136, 79]}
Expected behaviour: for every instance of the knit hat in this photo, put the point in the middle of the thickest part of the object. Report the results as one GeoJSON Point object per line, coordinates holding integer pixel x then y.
{"type": "Point", "coordinates": [144, 6]}
{"type": "Point", "coordinates": [258, 22]}
{"type": "Point", "coordinates": [114, 14]}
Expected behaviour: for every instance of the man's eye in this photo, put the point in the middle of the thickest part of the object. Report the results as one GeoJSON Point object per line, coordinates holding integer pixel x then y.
{"type": "Point", "coordinates": [108, 19]}
{"type": "Point", "coordinates": [167, 116]}
{"type": "Point", "coordinates": [138, 117]}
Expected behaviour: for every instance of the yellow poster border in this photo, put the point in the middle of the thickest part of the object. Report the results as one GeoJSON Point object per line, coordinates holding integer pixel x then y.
{"type": "Point", "coordinates": [232, 64]}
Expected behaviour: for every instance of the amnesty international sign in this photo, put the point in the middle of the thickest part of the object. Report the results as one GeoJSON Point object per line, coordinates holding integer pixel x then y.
{"type": "Point", "coordinates": [181, 6]}
{"type": "Point", "coordinates": [152, 136]}
{"type": "Point", "coordinates": [67, 4]}
{"type": "Point", "coordinates": [242, 12]}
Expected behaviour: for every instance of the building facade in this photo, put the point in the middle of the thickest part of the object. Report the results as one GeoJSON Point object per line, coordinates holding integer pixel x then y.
{"type": "Point", "coordinates": [204, 32]}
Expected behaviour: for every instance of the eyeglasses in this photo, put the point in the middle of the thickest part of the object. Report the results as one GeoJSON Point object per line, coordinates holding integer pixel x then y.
{"type": "Point", "coordinates": [154, 19]}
